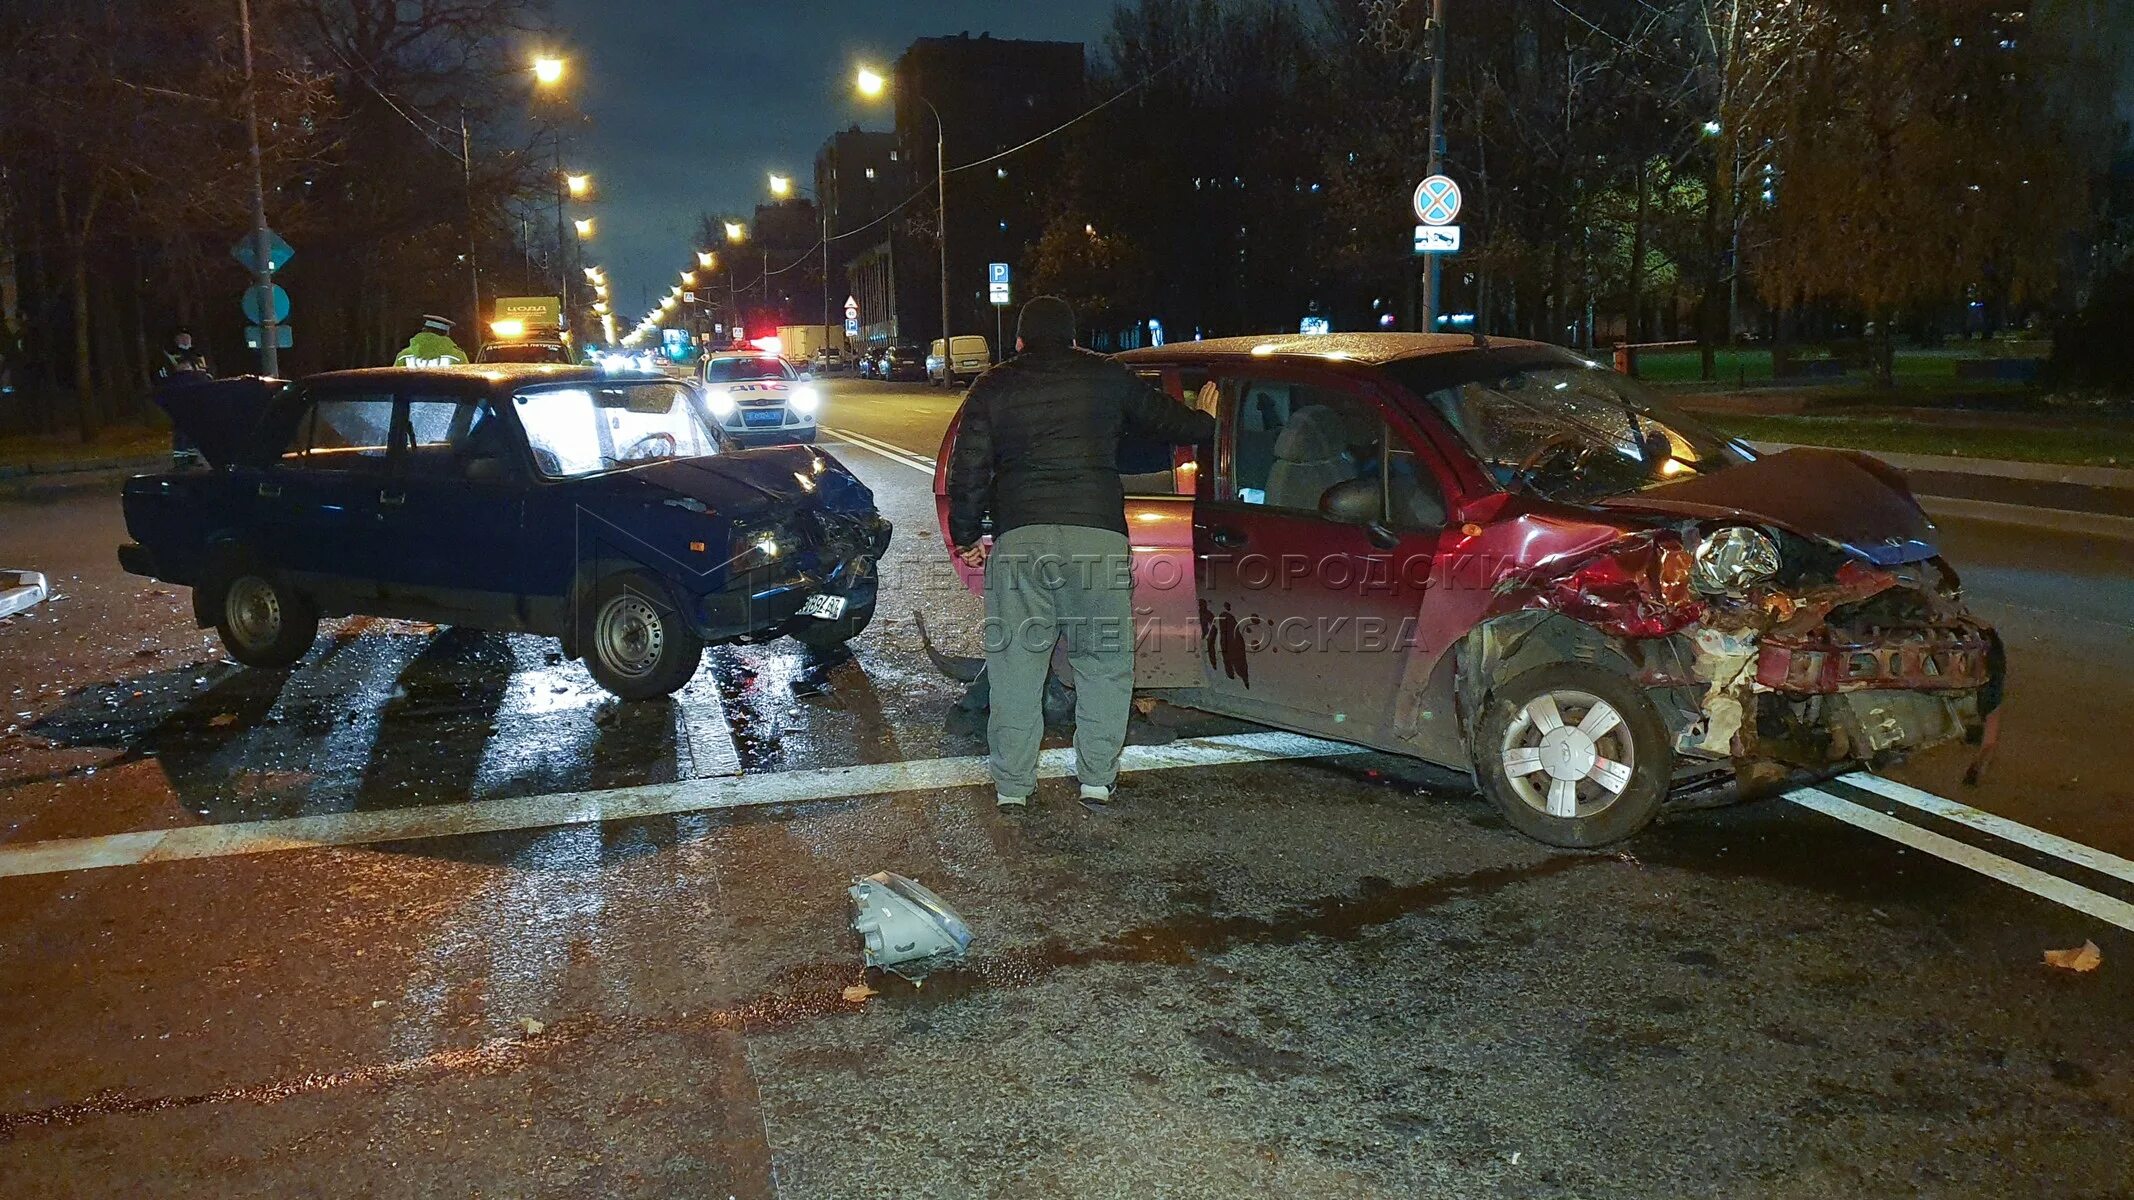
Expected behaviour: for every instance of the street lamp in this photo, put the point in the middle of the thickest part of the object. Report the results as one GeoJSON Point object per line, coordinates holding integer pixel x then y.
{"type": "Point", "coordinates": [736, 231]}
{"type": "Point", "coordinates": [689, 278]}
{"type": "Point", "coordinates": [706, 259]}
{"type": "Point", "coordinates": [781, 186]}
{"type": "Point", "coordinates": [579, 185]}
{"type": "Point", "coordinates": [548, 71]}
{"type": "Point", "coordinates": [871, 84]}
{"type": "Point", "coordinates": [584, 226]}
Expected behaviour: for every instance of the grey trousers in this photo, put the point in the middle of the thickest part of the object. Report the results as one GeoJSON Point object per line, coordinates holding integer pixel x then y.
{"type": "Point", "coordinates": [1044, 583]}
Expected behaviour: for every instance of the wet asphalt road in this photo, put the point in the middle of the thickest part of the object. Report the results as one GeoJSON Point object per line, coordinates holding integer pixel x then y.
{"type": "Point", "coordinates": [1341, 977]}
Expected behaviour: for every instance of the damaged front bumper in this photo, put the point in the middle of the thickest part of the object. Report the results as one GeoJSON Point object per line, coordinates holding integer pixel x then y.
{"type": "Point", "coordinates": [1873, 666]}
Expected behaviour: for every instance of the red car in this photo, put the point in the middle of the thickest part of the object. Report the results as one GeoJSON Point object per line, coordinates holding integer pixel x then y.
{"type": "Point", "coordinates": [1501, 557]}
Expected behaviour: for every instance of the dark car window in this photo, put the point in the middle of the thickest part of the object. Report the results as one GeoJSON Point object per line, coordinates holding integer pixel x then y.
{"type": "Point", "coordinates": [343, 433]}
{"type": "Point", "coordinates": [1290, 442]}
{"type": "Point", "coordinates": [736, 370]}
{"type": "Point", "coordinates": [450, 437]}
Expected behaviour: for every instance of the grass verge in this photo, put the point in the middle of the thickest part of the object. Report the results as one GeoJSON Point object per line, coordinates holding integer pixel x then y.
{"type": "Point", "coordinates": [2099, 444]}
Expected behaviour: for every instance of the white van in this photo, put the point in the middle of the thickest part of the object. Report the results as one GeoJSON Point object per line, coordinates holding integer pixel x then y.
{"type": "Point", "coordinates": [967, 358]}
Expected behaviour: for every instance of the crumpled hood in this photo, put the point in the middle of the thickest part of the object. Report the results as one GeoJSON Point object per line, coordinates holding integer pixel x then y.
{"type": "Point", "coordinates": [1841, 496]}
{"type": "Point", "coordinates": [740, 482]}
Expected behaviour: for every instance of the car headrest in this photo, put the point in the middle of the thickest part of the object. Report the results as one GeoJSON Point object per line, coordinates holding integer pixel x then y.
{"type": "Point", "coordinates": [1313, 434]}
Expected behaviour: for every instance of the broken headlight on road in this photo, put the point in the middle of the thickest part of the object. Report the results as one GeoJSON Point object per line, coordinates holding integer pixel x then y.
{"type": "Point", "coordinates": [905, 928]}
{"type": "Point", "coordinates": [1730, 561]}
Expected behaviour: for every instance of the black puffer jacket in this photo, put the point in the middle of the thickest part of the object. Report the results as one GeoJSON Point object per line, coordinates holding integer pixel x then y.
{"type": "Point", "coordinates": [1039, 443]}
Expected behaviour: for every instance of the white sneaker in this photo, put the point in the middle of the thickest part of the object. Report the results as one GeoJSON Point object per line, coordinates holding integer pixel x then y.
{"type": "Point", "coordinates": [1101, 795]}
{"type": "Point", "coordinates": [1001, 800]}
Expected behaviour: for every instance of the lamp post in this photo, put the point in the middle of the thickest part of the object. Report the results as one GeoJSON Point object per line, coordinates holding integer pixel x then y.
{"type": "Point", "coordinates": [548, 72]}
{"type": "Point", "coordinates": [872, 84]}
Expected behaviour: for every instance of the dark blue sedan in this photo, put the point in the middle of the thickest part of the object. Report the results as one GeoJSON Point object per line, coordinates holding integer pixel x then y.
{"type": "Point", "coordinates": [604, 510]}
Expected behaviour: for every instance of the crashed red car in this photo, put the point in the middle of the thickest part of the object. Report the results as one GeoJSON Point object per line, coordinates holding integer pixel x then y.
{"type": "Point", "coordinates": [1501, 557]}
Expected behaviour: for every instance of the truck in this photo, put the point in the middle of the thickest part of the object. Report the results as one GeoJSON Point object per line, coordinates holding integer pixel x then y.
{"type": "Point", "coordinates": [802, 343]}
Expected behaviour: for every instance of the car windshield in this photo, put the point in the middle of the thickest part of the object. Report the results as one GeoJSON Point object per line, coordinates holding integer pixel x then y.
{"type": "Point", "coordinates": [735, 370]}
{"type": "Point", "coordinates": [525, 352]}
{"type": "Point", "coordinates": [588, 429]}
{"type": "Point", "coordinates": [1575, 433]}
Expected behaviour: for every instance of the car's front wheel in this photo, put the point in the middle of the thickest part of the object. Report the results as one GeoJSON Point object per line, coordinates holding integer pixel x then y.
{"type": "Point", "coordinates": [636, 642]}
{"type": "Point", "coordinates": [1573, 755]}
{"type": "Point", "coordinates": [263, 621]}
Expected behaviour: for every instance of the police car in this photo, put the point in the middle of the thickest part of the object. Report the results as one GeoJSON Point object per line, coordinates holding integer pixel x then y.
{"type": "Point", "coordinates": [759, 399]}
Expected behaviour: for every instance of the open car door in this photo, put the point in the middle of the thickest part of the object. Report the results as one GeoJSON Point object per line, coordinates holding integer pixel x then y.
{"type": "Point", "coordinates": [1160, 483]}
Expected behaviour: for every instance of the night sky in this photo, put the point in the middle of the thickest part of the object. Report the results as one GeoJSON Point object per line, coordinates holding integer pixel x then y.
{"type": "Point", "coordinates": [690, 111]}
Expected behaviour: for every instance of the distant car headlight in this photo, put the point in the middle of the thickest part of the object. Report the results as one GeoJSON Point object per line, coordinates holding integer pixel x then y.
{"type": "Point", "coordinates": [720, 404]}
{"type": "Point", "coordinates": [1732, 560]}
{"type": "Point", "coordinates": [804, 400]}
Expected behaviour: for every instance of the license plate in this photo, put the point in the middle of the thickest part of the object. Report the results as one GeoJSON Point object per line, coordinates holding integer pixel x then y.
{"type": "Point", "coordinates": [824, 606]}
{"type": "Point", "coordinates": [762, 416]}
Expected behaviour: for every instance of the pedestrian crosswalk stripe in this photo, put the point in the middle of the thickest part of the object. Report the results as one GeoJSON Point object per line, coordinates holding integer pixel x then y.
{"type": "Point", "coordinates": [616, 804]}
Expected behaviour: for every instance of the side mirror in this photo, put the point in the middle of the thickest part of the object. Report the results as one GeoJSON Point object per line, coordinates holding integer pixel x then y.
{"type": "Point", "coordinates": [1358, 502]}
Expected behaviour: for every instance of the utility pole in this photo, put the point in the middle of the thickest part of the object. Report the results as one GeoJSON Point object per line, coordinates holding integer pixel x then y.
{"type": "Point", "coordinates": [263, 270]}
{"type": "Point", "coordinates": [941, 191]}
{"type": "Point", "coordinates": [474, 272]}
{"type": "Point", "coordinates": [1435, 33]}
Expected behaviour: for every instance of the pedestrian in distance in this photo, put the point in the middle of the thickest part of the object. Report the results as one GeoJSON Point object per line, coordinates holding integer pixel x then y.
{"type": "Point", "coordinates": [183, 365]}
{"type": "Point", "coordinates": [432, 345]}
{"type": "Point", "coordinates": [1038, 453]}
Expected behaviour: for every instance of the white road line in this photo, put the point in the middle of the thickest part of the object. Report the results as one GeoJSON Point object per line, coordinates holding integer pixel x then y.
{"type": "Point", "coordinates": [916, 462]}
{"type": "Point", "coordinates": [616, 804]}
{"type": "Point", "coordinates": [2015, 874]}
{"type": "Point", "coordinates": [2103, 862]}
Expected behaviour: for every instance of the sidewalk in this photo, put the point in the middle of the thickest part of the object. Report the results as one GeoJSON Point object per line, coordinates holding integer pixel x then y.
{"type": "Point", "coordinates": [37, 463]}
{"type": "Point", "coordinates": [2098, 501]}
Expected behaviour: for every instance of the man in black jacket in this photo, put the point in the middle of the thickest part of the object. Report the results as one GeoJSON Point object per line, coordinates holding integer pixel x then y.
{"type": "Point", "coordinates": [1038, 450]}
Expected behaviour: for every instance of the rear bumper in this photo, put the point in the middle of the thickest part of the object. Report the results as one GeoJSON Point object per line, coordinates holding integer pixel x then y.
{"type": "Point", "coordinates": [134, 559]}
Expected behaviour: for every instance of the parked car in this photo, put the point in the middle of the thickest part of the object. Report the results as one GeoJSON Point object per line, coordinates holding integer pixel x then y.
{"type": "Point", "coordinates": [603, 510]}
{"type": "Point", "coordinates": [828, 361]}
{"type": "Point", "coordinates": [964, 358]}
{"type": "Point", "coordinates": [759, 398]}
{"type": "Point", "coordinates": [902, 363]}
{"type": "Point", "coordinates": [1503, 558]}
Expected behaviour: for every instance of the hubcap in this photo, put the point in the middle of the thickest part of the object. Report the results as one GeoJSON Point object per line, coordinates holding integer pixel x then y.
{"type": "Point", "coordinates": [254, 610]}
{"type": "Point", "coordinates": [1568, 754]}
{"type": "Point", "coordinates": [630, 635]}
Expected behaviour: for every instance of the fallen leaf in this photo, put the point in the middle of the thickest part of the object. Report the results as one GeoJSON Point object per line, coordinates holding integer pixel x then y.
{"type": "Point", "coordinates": [532, 1027]}
{"type": "Point", "coordinates": [1144, 705]}
{"type": "Point", "coordinates": [2085, 957]}
{"type": "Point", "coordinates": [858, 993]}
{"type": "Point", "coordinates": [223, 719]}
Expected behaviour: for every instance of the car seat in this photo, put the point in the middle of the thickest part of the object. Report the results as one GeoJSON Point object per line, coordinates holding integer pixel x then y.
{"type": "Point", "coordinates": [1309, 458]}
{"type": "Point", "coordinates": [1259, 424]}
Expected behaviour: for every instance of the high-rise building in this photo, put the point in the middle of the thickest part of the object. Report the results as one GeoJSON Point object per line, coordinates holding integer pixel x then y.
{"type": "Point", "coordinates": [860, 177]}
{"type": "Point", "coordinates": [993, 95]}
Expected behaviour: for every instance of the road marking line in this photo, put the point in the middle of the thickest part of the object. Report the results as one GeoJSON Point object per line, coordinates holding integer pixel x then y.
{"type": "Point", "coordinates": [909, 458]}
{"type": "Point", "coordinates": [2101, 861]}
{"type": "Point", "coordinates": [617, 804]}
{"type": "Point", "coordinates": [2015, 874]}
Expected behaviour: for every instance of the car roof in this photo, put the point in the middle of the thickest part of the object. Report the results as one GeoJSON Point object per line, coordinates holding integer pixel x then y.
{"type": "Point", "coordinates": [1369, 349]}
{"type": "Point", "coordinates": [469, 377]}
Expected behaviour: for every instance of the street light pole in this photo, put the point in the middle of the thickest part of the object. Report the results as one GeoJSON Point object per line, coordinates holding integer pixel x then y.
{"type": "Point", "coordinates": [1431, 277]}
{"type": "Point", "coordinates": [474, 273]}
{"type": "Point", "coordinates": [941, 199]}
{"type": "Point", "coordinates": [263, 268]}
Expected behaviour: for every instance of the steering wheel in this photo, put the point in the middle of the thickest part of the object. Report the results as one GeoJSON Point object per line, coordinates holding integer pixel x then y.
{"type": "Point", "coordinates": [643, 448]}
{"type": "Point", "coordinates": [1551, 454]}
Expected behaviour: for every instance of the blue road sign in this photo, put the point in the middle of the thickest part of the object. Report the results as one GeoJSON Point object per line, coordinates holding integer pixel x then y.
{"type": "Point", "coordinates": [997, 274]}
{"type": "Point", "coordinates": [278, 252]}
{"type": "Point", "coordinates": [1437, 200]}
{"type": "Point", "coordinates": [253, 305]}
